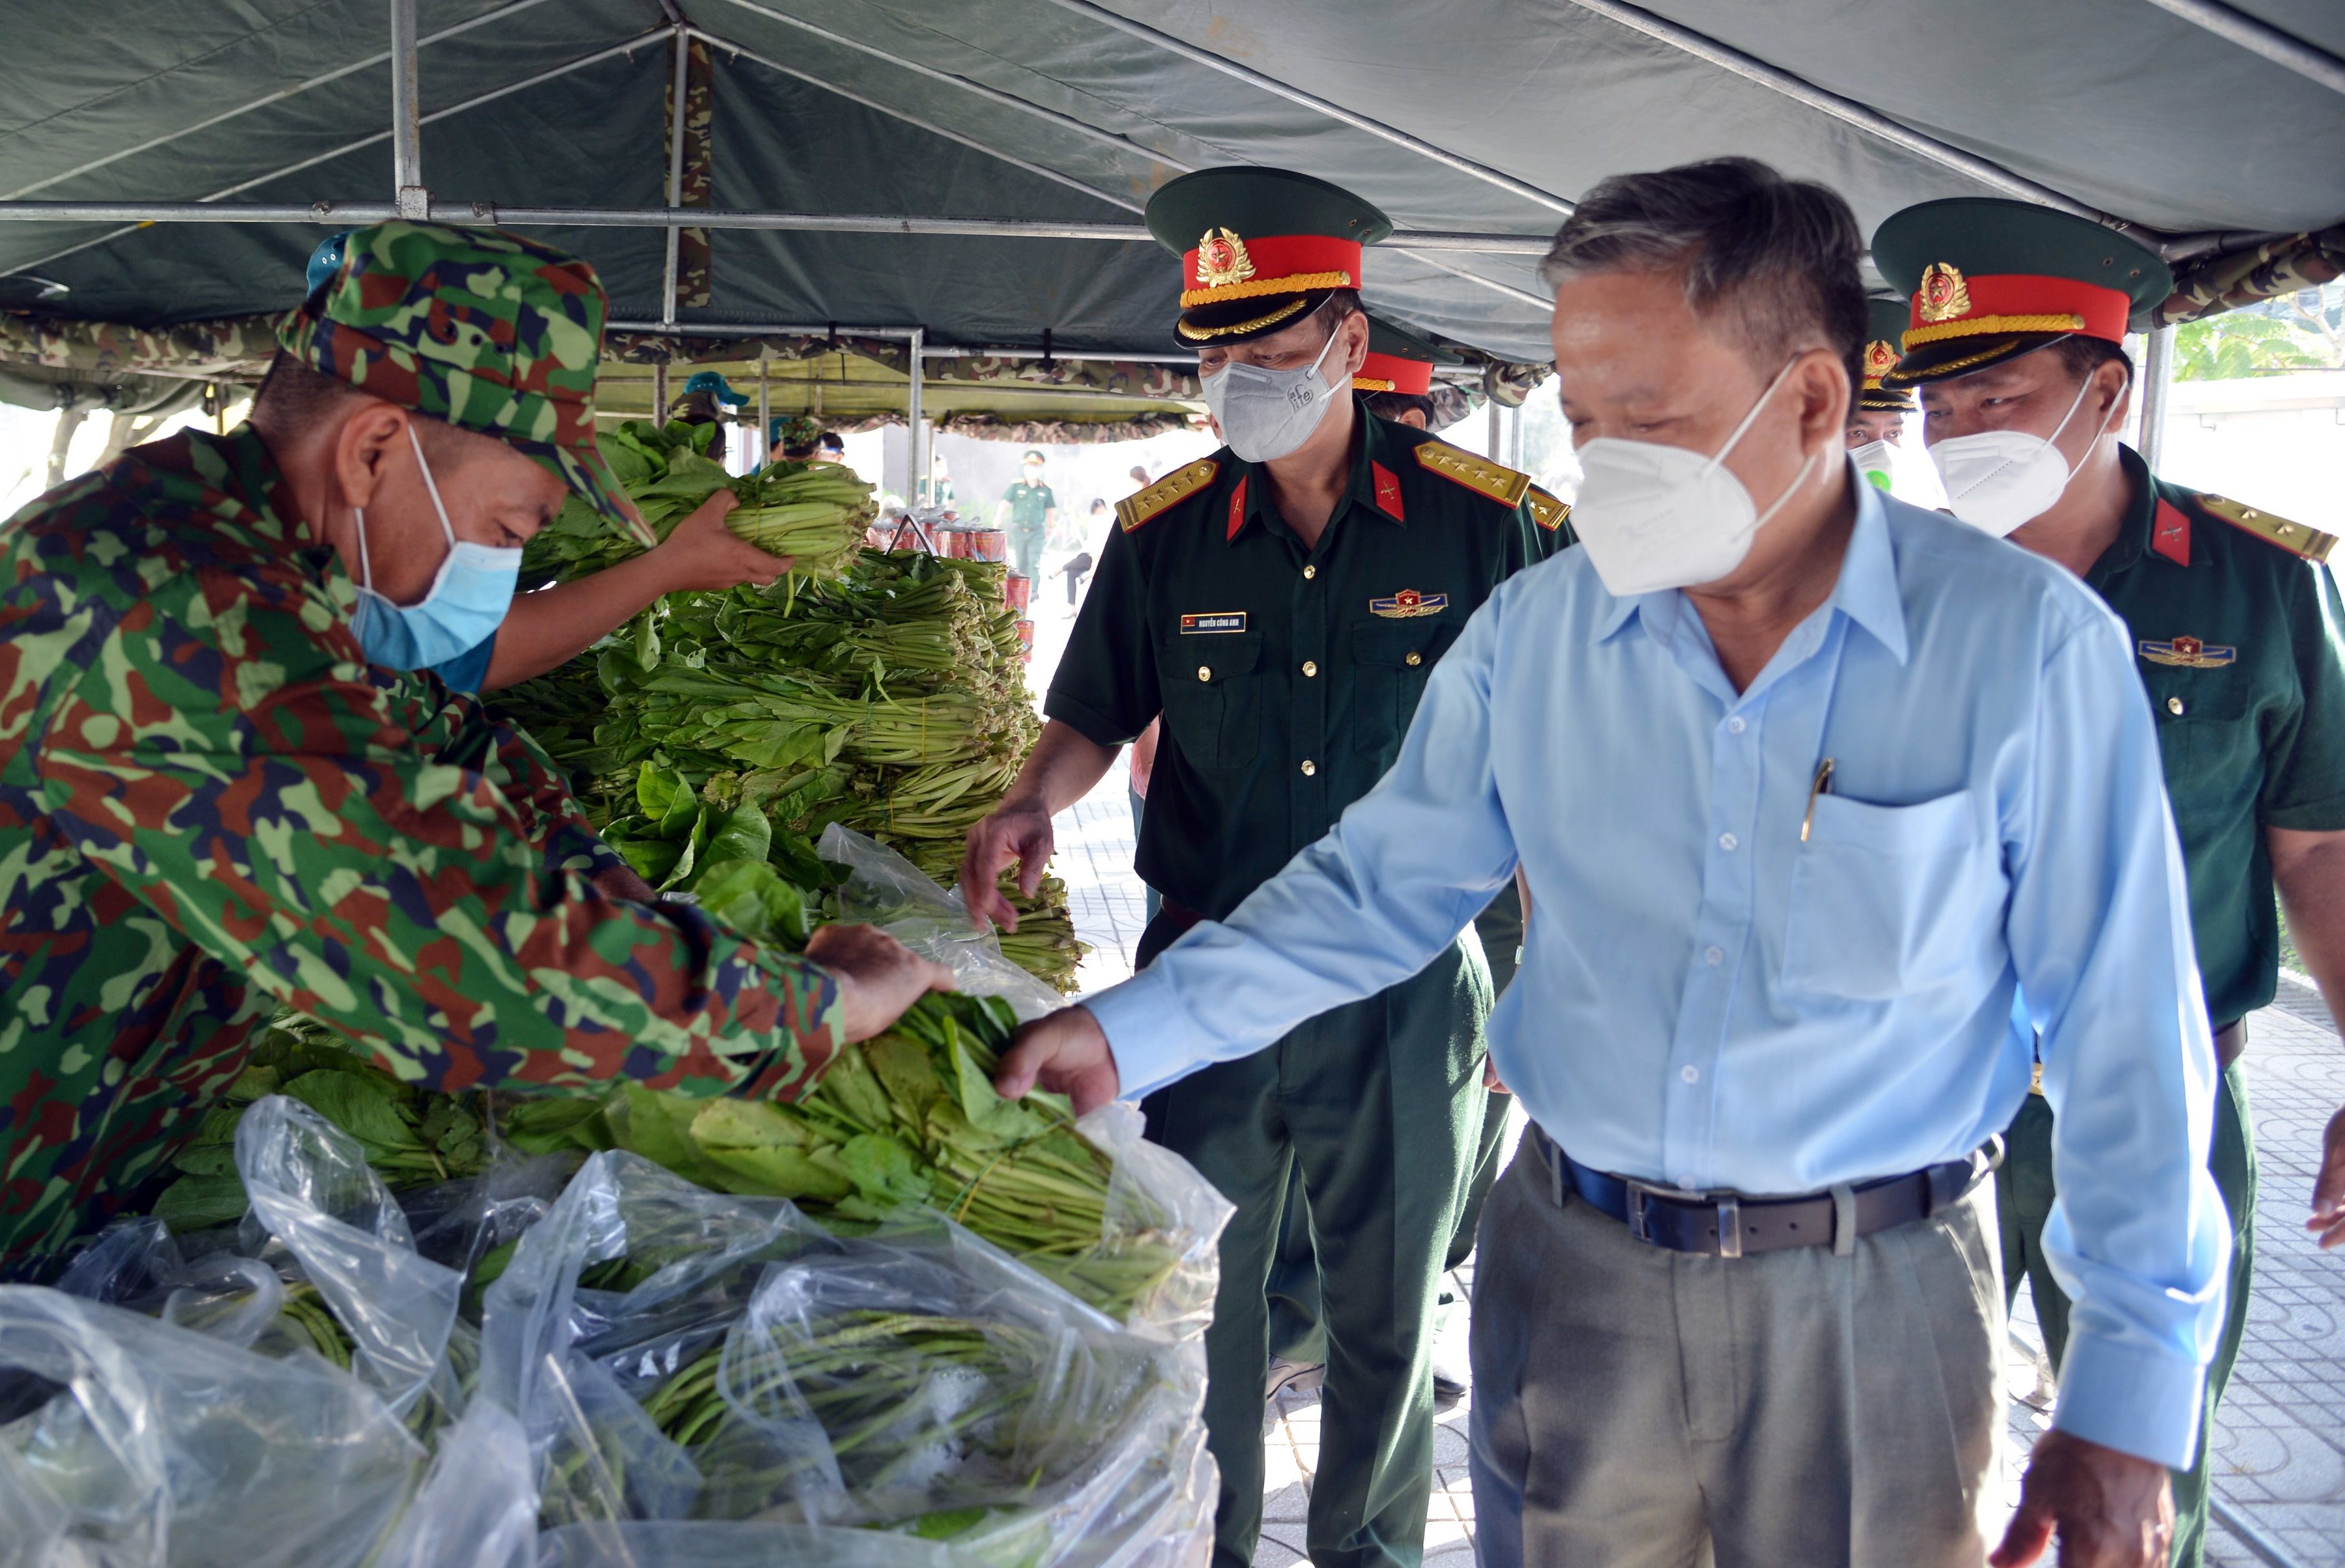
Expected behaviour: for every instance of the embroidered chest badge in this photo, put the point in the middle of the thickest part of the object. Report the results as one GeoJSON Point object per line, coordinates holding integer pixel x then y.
{"type": "Point", "coordinates": [1409, 605]}
{"type": "Point", "coordinates": [2188, 652]}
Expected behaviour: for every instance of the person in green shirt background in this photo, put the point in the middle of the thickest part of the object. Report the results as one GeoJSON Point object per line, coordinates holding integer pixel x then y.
{"type": "Point", "coordinates": [2014, 336]}
{"type": "Point", "coordinates": [1028, 508]}
{"type": "Point", "coordinates": [1280, 604]}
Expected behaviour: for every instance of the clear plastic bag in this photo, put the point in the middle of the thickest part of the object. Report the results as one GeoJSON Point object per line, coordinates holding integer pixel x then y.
{"type": "Point", "coordinates": [711, 1545]}
{"type": "Point", "coordinates": [886, 890]}
{"type": "Point", "coordinates": [477, 1507]}
{"type": "Point", "coordinates": [165, 1445]}
{"type": "Point", "coordinates": [1155, 1197]}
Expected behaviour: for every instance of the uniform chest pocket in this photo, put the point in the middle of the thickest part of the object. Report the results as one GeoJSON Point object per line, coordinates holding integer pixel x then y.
{"type": "Point", "coordinates": [1890, 900]}
{"type": "Point", "coordinates": [2206, 733]}
{"type": "Point", "coordinates": [1390, 661]}
{"type": "Point", "coordinates": [1212, 697]}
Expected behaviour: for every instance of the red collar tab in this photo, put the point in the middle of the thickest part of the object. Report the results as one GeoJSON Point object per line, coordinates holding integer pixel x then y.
{"type": "Point", "coordinates": [1388, 491]}
{"type": "Point", "coordinates": [1237, 508]}
{"type": "Point", "coordinates": [1950, 305]}
{"type": "Point", "coordinates": [2169, 533]}
{"type": "Point", "coordinates": [1229, 266]}
{"type": "Point", "coordinates": [1390, 373]}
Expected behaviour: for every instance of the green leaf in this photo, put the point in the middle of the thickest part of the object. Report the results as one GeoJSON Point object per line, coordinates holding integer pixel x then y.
{"type": "Point", "coordinates": [748, 895]}
{"type": "Point", "coordinates": [988, 1111]}
{"type": "Point", "coordinates": [206, 1160]}
{"type": "Point", "coordinates": [653, 859]}
{"type": "Point", "coordinates": [359, 1107]}
{"type": "Point", "coordinates": [763, 1149]}
{"type": "Point", "coordinates": [850, 1086]}
{"type": "Point", "coordinates": [908, 1072]}
{"type": "Point", "coordinates": [885, 1172]}
{"type": "Point", "coordinates": [744, 834]}
{"type": "Point", "coordinates": [200, 1202]}
{"type": "Point", "coordinates": [552, 1124]}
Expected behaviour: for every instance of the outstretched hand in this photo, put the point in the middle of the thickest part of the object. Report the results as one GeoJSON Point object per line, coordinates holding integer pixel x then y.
{"type": "Point", "coordinates": [703, 553]}
{"type": "Point", "coordinates": [1066, 1053]}
{"type": "Point", "coordinates": [1019, 833]}
{"type": "Point", "coordinates": [2111, 1510]}
{"type": "Point", "coordinates": [878, 978]}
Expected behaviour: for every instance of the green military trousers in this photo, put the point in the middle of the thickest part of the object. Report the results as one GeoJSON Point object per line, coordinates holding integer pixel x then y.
{"type": "Point", "coordinates": [2023, 1193]}
{"type": "Point", "coordinates": [1377, 1106]}
{"type": "Point", "coordinates": [1295, 1332]}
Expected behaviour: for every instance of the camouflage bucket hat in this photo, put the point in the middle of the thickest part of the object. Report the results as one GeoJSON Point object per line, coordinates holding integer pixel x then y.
{"type": "Point", "coordinates": [491, 332]}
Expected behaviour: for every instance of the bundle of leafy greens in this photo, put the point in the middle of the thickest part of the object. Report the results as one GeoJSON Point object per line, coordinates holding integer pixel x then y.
{"type": "Point", "coordinates": [814, 512]}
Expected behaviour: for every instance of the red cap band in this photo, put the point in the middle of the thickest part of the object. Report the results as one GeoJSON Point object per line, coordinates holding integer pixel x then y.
{"type": "Point", "coordinates": [2018, 302]}
{"type": "Point", "coordinates": [1413, 376]}
{"type": "Point", "coordinates": [1240, 268]}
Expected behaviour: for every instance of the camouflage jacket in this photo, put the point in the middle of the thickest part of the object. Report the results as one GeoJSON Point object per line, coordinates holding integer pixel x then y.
{"type": "Point", "coordinates": [212, 805]}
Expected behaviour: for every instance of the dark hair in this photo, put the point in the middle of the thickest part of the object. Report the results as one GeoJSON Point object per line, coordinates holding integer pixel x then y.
{"type": "Point", "coordinates": [1393, 405]}
{"type": "Point", "coordinates": [830, 440]}
{"type": "Point", "coordinates": [1777, 257]}
{"type": "Point", "coordinates": [291, 396]}
{"type": "Point", "coordinates": [2081, 356]}
{"type": "Point", "coordinates": [1339, 303]}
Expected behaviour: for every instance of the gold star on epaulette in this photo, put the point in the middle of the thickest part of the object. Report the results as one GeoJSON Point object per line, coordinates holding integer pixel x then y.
{"type": "Point", "coordinates": [1177, 486]}
{"type": "Point", "coordinates": [1480, 475]}
{"type": "Point", "coordinates": [2296, 538]}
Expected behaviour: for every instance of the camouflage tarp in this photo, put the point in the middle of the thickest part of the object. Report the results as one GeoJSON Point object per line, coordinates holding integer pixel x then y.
{"type": "Point", "coordinates": [235, 350]}
{"type": "Point", "coordinates": [2275, 267]}
{"type": "Point", "coordinates": [695, 264]}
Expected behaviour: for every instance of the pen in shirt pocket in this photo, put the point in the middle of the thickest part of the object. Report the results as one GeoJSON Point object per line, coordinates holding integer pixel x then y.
{"type": "Point", "coordinates": [1822, 785]}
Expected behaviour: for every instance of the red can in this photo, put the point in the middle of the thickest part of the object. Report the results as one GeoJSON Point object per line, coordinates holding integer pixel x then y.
{"type": "Point", "coordinates": [1026, 639]}
{"type": "Point", "coordinates": [1019, 590]}
{"type": "Point", "coordinates": [987, 544]}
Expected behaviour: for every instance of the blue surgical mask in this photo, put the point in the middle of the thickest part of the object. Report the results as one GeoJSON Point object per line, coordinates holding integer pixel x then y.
{"type": "Point", "coordinates": [466, 602]}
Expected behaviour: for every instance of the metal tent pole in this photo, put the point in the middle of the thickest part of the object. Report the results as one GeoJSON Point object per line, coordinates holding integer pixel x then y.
{"type": "Point", "coordinates": [406, 117]}
{"type": "Point", "coordinates": [2156, 378]}
{"type": "Point", "coordinates": [915, 448]}
{"type": "Point", "coordinates": [765, 415]}
{"type": "Point", "coordinates": [2283, 49]}
{"type": "Point", "coordinates": [1494, 448]}
{"type": "Point", "coordinates": [674, 175]}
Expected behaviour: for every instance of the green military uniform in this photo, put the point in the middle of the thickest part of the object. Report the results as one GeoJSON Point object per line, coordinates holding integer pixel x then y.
{"type": "Point", "coordinates": [1030, 505]}
{"type": "Point", "coordinates": [212, 805]}
{"type": "Point", "coordinates": [1286, 677]}
{"type": "Point", "coordinates": [2237, 625]}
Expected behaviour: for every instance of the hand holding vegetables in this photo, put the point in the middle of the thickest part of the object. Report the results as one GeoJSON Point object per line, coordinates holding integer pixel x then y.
{"type": "Point", "coordinates": [703, 554]}
{"type": "Point", "coordinates": [877, 976]}
{"type": "Point", "coordinates": [1066, 1053]}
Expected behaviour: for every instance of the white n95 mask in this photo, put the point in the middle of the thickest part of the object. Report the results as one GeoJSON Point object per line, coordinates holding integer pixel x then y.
{"type": "Point", "coordinates": [1266, 414]}
{"type": "Point", "coordinates": [1875, 461]}
{"type": "Point", "coordinates": [1653, 517]}
{"type": "Point", "coordinates": [1997, 480]}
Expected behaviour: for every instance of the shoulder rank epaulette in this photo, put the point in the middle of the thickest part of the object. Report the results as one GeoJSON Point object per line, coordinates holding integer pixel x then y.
{"type": "Point", "coordinates": [2296, 538]}
{"type": "Point", "coordinates": [1177, 486]}
{"type": "Point", "coordinates": [1480, 475]}
{"type": "Point", "coordinates": [1549, 512]}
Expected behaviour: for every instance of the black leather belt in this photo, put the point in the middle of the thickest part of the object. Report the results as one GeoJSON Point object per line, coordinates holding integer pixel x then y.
{"type": "Point", "coordinates": [1729, 1225]}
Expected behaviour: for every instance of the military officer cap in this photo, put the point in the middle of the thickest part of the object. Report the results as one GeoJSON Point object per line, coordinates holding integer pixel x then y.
{"type": "Point", "coordinates": [1260, 248]}
{"type": "Point", "coordinates": [1399, 362]}
{"type": "Point", "coordinates": [1990, 279]}
{"type": "Point", "coordinates": [485, 330]}
{"type": "Point", "coordinates": [1884, 328]}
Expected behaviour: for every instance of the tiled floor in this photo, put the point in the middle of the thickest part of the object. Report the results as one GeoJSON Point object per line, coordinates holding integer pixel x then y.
{"type": "Point", "coordinates": [2279, 1441]}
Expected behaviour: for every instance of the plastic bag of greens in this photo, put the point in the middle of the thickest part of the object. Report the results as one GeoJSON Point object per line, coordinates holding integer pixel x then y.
{"type": "Point", "coordinates": [161, 1444]}
{"type": "Point", "coordinates": [311, 1188]}
{"type": "Point", "coordinates": [1163, 1214]}
{"type": "Point", "coordinates": [477, 1508]}
{"type": "Point", "coordinates": [714, 1544]}
{"type": "Point", "coordinates": [958, 1396]}
{"type": "Point", "coordinates": [139, 1265]}
{"type": "Point", "coordinates": [886, 890]}
{"type": "Point", "coordinates": [633, 1274]}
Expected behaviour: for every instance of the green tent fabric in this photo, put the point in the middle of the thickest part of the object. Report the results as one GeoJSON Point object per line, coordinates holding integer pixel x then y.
{"type": "Point", "coordinates": [1048, 109]}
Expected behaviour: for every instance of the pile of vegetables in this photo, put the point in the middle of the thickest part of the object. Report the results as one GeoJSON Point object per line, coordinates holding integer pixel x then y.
{"type": "Point", "coordinates": [814, 512]}
{"type": "Point", "coordinates": [892, 700]}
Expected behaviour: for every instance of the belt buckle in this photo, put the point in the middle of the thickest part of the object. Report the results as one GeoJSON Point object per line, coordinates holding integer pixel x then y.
{"type": "Point", "coordinates": [1639, 1191]}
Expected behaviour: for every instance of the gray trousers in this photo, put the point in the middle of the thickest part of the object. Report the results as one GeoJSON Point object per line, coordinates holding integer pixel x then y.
{"type": "Point", "coordinates": [1632, 1405]}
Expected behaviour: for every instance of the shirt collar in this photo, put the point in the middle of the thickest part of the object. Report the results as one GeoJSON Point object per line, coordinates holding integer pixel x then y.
{"type": "Point", "coordinates": [2134, 533]}
{"type": "Point", "coordinates": [1372, 449]}
{"type": "Point", "coordinates": [1867, 590]}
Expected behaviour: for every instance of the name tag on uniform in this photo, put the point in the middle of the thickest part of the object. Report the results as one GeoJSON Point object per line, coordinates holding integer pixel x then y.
{"type": "Point", "coordinates": [1214, 621]}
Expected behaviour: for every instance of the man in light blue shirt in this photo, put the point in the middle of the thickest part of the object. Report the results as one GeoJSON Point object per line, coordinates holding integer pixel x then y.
{"type": "Point", "coordinates": [1808, 785]}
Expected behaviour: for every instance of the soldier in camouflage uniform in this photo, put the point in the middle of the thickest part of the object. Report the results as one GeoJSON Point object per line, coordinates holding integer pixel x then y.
{"type": "Point", "coordinates": [212, 805]}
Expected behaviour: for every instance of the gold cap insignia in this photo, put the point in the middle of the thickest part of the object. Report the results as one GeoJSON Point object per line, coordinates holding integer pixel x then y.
{"type": "Point", "coordinates": [1222, 260]}
{"type": "Point", "coordinates": [1879, 358]}
{"type": "Point", "coordinates": [1944, 295]}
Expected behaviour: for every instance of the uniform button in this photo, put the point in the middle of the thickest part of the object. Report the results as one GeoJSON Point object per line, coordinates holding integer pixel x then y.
{"type": "Point", "coordinates": [1414, 660]}
{"type": "Point", "coordinates": [1204, 672]}
{"type": "Point", "coordinates": [1309, 572]}
{"type": "Point", "coordinates": [1727, 841]}
{"type": "Point", "coordinates": [1713, 954]}
{"type": "Point", "coordinates": [1735, 726]}
{"type": "Point", "coordinates": [1690, 1073]}
{"type": "Point", "coordinates": [2174, 707]}
{"type": "Point", "coordinates": [1309, 767]}
{"type": "Point", "coordinates": [1310, 667]}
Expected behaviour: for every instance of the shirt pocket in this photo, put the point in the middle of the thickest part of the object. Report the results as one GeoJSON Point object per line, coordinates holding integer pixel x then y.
{"type": "Point", "coordinates": [1390, 663]}
{"type": "Point", "coordinates": [1212, 698]}
{"type": "Point", "coordinates": [2208, 739]}
{"type": "Point", "coordinates": [1890, 900]}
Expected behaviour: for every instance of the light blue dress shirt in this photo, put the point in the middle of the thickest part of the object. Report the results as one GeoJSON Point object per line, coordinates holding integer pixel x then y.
{"type": "Point", "coordinates": [1711, 999]}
